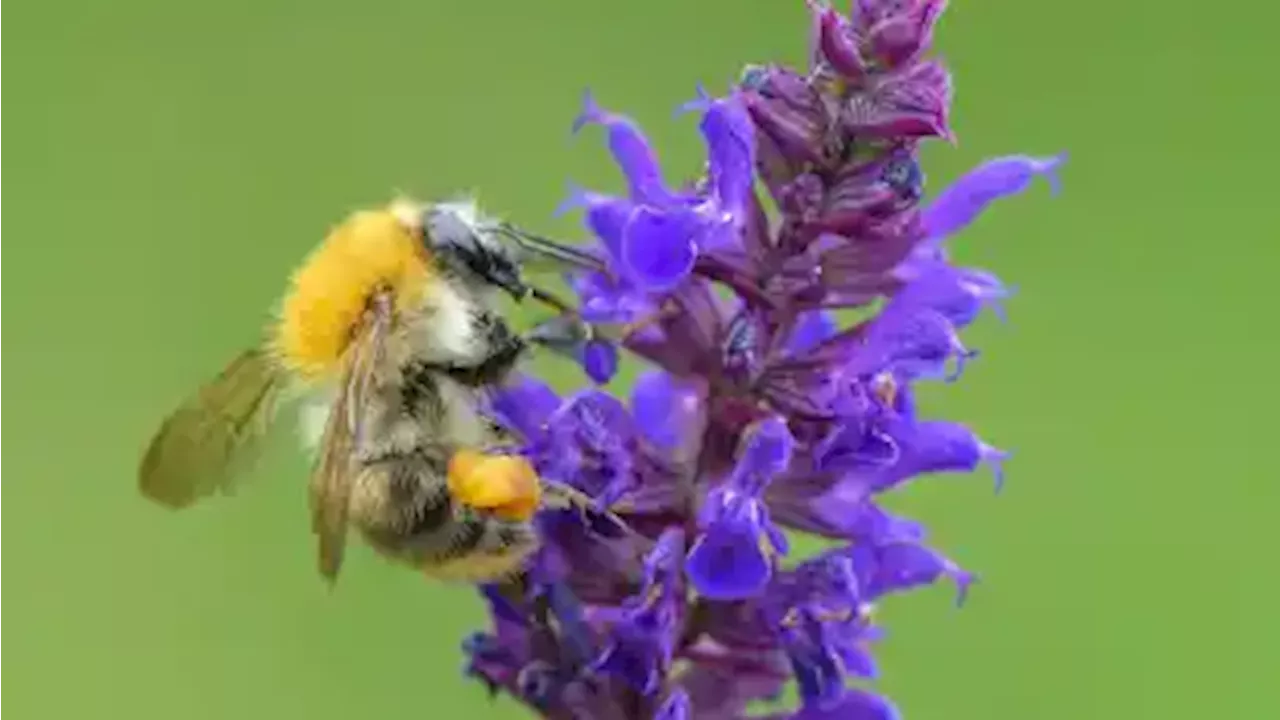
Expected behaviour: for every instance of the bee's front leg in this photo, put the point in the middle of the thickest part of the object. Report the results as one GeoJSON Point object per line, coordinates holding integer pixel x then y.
{"type": "Point", "coordinates": [563, 334]}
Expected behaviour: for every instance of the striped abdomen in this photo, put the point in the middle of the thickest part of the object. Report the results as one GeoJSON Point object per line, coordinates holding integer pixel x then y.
{"type": "Point", "coordinates": [401, 501]}
{"type": "Point", "coordinates": [405, 511]}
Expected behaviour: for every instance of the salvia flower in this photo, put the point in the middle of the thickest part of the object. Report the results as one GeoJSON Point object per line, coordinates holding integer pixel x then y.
{"type": "Point", "coordinates": [672, 592]}
{"type": "Point", "coordinates": [654, 235]}
{"type": "Point", "coordinates": [734, 554]}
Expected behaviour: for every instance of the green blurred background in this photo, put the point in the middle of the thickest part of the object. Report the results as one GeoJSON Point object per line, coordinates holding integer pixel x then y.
{"type": "Point", "coordinates": [169, 163]}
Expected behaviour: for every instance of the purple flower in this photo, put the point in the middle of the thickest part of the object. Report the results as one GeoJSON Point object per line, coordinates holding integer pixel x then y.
{"type": "Point", "coordinates": [609, 299]}
{"type": "Point", "coordinates": [960, 204]}
{"type": "Point", "coordinates": [759, 413]}
{"type": "Point", "coordinates": [600, 360]}
{"type": "Point", "coordinates": [667, 410]}
{"type": "Point", "coordinates": [811, 329]}
{"type": "Point", "coordinates": [654, 235]}
{"type": "Point", "coordinates": [643, 637]}
{"type": "Point", "coordinates": [733, 556]}
{"type": "Point", "coordinates": [853, 704]}
{"type": "Point", "coordinates": [675, 707]}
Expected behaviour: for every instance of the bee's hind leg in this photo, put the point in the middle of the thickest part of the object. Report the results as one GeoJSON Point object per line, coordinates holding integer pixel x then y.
{"type": "Point", "coordinates": [561, 496]}
{"type": "Point", "coordinates": [504, 484]}
{"type": "Point", "coordinates": [486, 548]}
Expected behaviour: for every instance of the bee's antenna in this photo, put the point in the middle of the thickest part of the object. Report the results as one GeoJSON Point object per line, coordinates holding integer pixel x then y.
{"type": "Point", "coordinates": [548, 248]}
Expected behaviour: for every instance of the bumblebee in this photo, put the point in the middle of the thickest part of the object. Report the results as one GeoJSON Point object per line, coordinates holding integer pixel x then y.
{"type": "Point", "coordinates": [389, 333]}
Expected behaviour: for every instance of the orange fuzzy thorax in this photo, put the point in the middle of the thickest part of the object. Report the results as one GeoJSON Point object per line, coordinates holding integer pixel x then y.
{"type": "Point", "coordinates": [328, 295]}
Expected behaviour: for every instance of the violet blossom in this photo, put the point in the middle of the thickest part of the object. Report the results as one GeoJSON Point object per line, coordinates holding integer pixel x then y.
{"type": "Point", "coordinates": [760, 414]}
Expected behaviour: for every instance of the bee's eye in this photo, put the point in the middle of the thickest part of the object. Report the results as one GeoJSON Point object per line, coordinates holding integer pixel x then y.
{"type": "Point", "coordinates": [457, 244]}
{"type": "Point", "coordinates": [446, 232]}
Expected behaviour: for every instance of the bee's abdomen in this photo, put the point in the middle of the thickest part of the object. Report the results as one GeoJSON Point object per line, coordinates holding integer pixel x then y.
{"type": "Point", "coordinates": [404, 509]}
{"type": "Point", "coordinates": [484, 547]}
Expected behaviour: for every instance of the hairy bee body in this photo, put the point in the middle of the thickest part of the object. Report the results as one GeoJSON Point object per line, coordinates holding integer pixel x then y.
{"type": "Point", "coordinates": [389, 333]}
{"type": "Point", "coordinates": [416, 419]}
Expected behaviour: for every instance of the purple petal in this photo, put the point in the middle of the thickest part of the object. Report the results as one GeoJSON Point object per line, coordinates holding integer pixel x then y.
{"type": "Point", "coordinates": [847, 508]}
{"type": "Point", "coordinates": [804, 198]}
{"type": "Point", "coordinates": [606, 299]}
{"type": "Point", "coordinates": [912, 345]}
{"type": "Point", "coordinates": [757, 235]}
{"type": "Point", "coordinates": [631, 151]}
{"type": "Point", "coordinates": [903, 566]}
{"type": "Point", "coordinates": [811, 329]}
{"type": "Point", "coordinates": [843, 510]}
{"type": "Point", "coordinates": [635, 653]}
{"type": "Point", "coordinates": [858, 660]}
{"type": "Point", "coordinates": [903, 37]}
{"type": "Point", "coordinates": [595, 419]}
{"type": "Point", "coordinates": [730, 138]}
{"type": "Point", "coordinates": [962, 202]}
{"type": "Point", "coordinates": [911, 104]}
{"type": "Point", "coordinates": [767, 448]}
{"type": "Point", "coordinates": [959, 294]}
{"type": "Point", "coordinates": [853, 446]}
{"type": "Point", "coordinates": [728, 560]}
{"type": "Point", "coordinates": [525, 405]}
{"type": "Point", "coordinates": [607, 217]}
{"type": "Point", "coordinates": [837, 44]}
{"type": "Point", "coordinates": [785, 108]}
{"type": "Point", "coordinates": [659, 248]}
{"type": "Point", "coordinates": [675, 707]}
{"type": "Point", "coordinates": [854, 705]}
{"type": "Point", "coordinates": [572, 629]}
{"type": "Point", "coordinates": [940, 447]}
{"type": "Point", "coordinates": [664, 408]}
{"type": "Point", "coordinates": [574, 553]}
{"type": "Point", "coordinates": [864, 262]}
{"type": "Point", "coordinates": [819, 677]}
{"type": "Point", "coordinates": [829, 580]}
{"type": "Point", "coordinates": [722, 687]}
{"type": "Point", "coordinates": [501, 607]}
{"type": "Point", "coordinates": [663, 561]}
{"type": "Point", "coordinates": [600, 360]}
{"type": "Point", "coordinates": [860, 192]}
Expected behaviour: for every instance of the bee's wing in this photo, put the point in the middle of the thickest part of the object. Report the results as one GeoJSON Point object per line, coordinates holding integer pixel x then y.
{"type": "Point", "coordinates": [200, 446]}
{"type": "Point", "coordinates": [333, 474]}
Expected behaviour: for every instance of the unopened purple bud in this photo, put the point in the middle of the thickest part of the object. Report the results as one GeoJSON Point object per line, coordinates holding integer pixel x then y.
{"type": "Point", "coordinates": [911, 104]}
{"type": "Point", "coordinates": [600, 360]}
{"type": "Point", "coordinates": [802, 198]}
{"type": "Point", "coordinates": [786, 108]}
{"type": "Point", "coordinates": [858, 192]}
{"type": "Point", "coordinates": [837, 45]}
{"type": "Point", "coordinates": [902, 38]}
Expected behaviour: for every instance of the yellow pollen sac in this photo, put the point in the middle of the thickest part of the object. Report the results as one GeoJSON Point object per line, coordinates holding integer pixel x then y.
{"type": "Point", "coordinates": [329, 293]}
{"type": "Point", "coordinates": [506, 484]}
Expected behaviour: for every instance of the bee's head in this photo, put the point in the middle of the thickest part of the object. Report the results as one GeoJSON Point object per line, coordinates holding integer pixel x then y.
{"type": "Point", "coordinates": [458, 239]}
